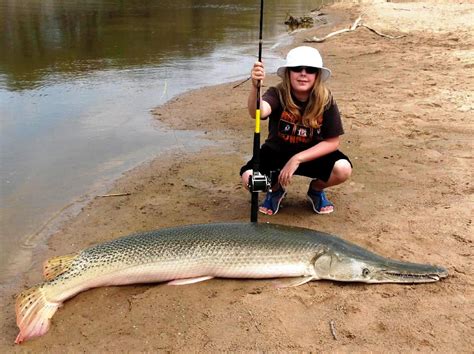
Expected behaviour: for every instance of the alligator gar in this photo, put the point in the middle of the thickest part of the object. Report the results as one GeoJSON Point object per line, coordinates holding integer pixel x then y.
{"type": "Point", "coordinates": [189, 254]}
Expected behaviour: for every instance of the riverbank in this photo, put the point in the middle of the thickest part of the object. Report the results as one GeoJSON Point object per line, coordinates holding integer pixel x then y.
{"type": "Point", "coordinates": [407, 111]}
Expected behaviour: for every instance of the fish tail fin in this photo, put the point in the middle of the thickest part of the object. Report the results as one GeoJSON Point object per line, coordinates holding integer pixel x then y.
{"type": "Point", "coordinates": [57, 265]}
{"type": "Point", "coordinates": [33, 313]}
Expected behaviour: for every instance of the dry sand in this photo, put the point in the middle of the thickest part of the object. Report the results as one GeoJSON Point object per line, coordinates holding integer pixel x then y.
{"type": "Point", "coordinates": [407, 107]}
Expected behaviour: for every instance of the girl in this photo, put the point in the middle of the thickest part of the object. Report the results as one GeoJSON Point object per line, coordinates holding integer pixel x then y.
{"type": "Point", "coordinates": [304, 130]}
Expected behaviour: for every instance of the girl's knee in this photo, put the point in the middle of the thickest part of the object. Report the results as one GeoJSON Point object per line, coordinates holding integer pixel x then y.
{"type": "Point", "coordinates": [342, 169]}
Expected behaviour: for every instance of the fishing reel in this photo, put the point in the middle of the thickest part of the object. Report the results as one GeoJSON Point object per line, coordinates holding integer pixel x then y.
{"type": "Point", "coordinates": [262, 183]}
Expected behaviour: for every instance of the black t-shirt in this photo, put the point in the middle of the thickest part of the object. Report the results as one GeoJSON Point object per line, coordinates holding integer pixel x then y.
{"type": "Point", "coordinates": [286, 133]}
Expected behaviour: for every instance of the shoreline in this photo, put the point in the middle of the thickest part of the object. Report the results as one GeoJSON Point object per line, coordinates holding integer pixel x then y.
{"type": "Point", "coordinates": [391, 206]}
{"type": "Point", "coordinates": [127, 137]}
{"type": "Point", "coordinates": [36, 242]}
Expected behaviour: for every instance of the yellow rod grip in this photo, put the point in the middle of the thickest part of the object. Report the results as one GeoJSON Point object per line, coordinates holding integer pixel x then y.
{"type": "Point", "coordinates": [257, 121]}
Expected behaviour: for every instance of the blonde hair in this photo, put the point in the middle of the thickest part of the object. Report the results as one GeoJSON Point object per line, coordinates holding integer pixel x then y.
{"type": "Point", "coordinates": [319, 99]}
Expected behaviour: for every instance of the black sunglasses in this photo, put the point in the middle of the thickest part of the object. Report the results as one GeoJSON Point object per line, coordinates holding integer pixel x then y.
{"type": "Point", "coordinates": [308, 69]}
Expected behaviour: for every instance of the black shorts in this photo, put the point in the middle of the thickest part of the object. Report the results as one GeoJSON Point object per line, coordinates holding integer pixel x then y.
{"type": "Point", "coordinates": [320, 168]}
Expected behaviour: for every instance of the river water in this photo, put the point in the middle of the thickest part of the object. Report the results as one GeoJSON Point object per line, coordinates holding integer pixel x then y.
{"type": "Point", "coordinates": [78, 79]}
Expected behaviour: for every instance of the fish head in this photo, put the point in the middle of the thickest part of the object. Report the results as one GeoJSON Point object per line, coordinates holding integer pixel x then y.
{"type": "Point", "coordinates": [371, 268]}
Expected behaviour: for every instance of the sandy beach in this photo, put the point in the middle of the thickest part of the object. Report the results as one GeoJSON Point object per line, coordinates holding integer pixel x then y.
{"type": "Point", "coordinates": [407, 106]}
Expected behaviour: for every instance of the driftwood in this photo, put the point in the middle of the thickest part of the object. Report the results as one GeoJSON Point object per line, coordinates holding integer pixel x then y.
{"type": "Point", "coordinates": [357, 23]}
{"type": "Point", "coordinates": [114, 195]}
{"type": "Point", "coordinates": [297, 22]}
{"type": "Point", "coordinates": [382, 34]}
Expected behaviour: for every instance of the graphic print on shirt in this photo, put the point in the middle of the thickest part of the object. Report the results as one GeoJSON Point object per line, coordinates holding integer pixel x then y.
{"type": "Point", "coordinates": [291, 131]}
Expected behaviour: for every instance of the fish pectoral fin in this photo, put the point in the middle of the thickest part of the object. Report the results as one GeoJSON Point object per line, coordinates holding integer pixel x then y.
{"type": "Point", "coordinates": [189, 280]}
{"type": "Point", "coordinates": [291, 282]}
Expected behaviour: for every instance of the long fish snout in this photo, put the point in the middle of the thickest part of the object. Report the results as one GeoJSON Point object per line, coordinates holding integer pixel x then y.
{"type": "Point", "coordinates": [340, 267]}
{"type": "Point", "coordinates": [410, 273]}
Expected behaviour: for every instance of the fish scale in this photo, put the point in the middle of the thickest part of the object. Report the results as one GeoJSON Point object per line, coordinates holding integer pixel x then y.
{"type": "Point", "coordinates": [224, 243]}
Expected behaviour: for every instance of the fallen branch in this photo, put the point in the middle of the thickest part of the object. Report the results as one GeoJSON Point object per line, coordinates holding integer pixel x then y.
{"type": "Point", "coordinates": [350, 29]}
{"type": "Point", "coordinates": [382, 34]}
{"type": "Point", "coordinates": [357, 23]}
{"type": "Point", "coordinates": [114, 195]}
{"type": "Point", "coordinates": [243, 82]}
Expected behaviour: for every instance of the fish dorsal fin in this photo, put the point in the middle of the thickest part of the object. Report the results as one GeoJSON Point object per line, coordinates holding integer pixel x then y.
{"type": "Point", "coordinates": [189, 280]}
{"type": "Point", "coordinates": [56, 266]}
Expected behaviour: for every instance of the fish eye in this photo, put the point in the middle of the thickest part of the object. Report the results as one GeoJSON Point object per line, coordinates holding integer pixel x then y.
{"type": "Point", "coordinates": [365, 272]}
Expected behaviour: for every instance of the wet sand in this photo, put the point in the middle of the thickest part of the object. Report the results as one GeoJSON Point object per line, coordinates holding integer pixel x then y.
{"type": "Point", "coordinates": [407, 107]}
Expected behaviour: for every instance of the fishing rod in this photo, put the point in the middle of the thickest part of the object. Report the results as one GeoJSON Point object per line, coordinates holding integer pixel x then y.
{"type": "Point", "coordinates": [257, 181]}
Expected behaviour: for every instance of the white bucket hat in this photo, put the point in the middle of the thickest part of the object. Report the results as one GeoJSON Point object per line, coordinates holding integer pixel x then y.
{"type": "Point", "coordinates": [304, 56]}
